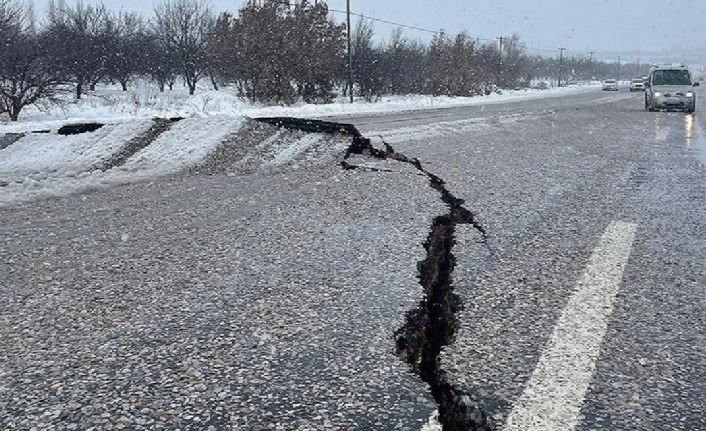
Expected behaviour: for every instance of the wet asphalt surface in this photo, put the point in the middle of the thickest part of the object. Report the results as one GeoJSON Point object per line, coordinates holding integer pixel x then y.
{"type": "Point", "coordinates": [546, 189]}
{"type": "Point", "coordinates": [270, 301]}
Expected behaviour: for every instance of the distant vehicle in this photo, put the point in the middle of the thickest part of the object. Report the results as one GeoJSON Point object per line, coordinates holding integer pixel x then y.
{"type": "Point", "coordinates": [610, 85]}
{"type": "Point", "coordinates": [637, 84]}
{"type": "Point", "coordinates": [670, 88]}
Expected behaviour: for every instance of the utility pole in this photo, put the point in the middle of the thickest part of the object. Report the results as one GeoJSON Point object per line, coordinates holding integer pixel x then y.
{"type": "Point", "coordinates": [500, 64]}
{"type": "Point", "coordinates": [350, 53]}
{"type": "Point", "coordinates": [561, 63]}
{"type": "Point", "coordinates": [591, 71]}
{"type": "Point", "coordinates": [638, 68]}
{"type": "Point", "coordinates": [618, 78]}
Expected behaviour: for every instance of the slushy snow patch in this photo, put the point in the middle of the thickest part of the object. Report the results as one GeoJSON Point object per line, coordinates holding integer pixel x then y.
{"type": "Point", "coordinates": [38, 156]}
{"type": "Point", "coordinates": [289, 153]}
{"type": "Point", "coordinates": [187, 143]}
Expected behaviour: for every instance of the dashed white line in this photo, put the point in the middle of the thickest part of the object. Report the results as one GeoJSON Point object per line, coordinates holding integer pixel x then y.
{"type": "Point", "coordinates": [662, 133]}
{"type": "Point", "coordinates": [555, 393]}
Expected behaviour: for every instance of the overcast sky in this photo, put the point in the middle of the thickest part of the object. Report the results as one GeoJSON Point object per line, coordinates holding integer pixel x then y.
{"type": "Point", "coordinates": [580, 25]}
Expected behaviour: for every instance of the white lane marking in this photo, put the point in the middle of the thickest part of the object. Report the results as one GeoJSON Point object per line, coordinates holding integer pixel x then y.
{"type": "Point", "coordinates": [662, 134]}
{"type": "Point", "coordinates": [555, 393]}
{"type": "Point", "coordinates": [698, 141]}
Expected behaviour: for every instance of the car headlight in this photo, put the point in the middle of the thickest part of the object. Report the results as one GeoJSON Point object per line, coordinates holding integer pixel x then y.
{"type": "Point", "coordinates": [689, 94]}
{"type": "Point", "coordinates": [658, 94]}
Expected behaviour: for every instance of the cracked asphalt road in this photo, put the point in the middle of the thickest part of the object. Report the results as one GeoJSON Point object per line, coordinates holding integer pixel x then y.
{"type": "Point", "coordinates": [546, 189]}
{"type": "Point", "coordinates": [270, 301]}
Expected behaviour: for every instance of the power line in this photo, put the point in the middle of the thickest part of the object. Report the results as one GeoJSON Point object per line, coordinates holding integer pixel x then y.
{"type": "Point", "coordinates": [426, 30]}
{"type": "Point", "coordinates": [398, 24]}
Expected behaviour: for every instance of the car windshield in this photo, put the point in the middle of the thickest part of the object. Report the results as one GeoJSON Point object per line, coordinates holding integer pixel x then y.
{"type": "Point", "coordinates": [610, 81]}
{"type": "Point", "coordinates": [637, 81]}
{"type": "Point", "coordinates": [671, 77]}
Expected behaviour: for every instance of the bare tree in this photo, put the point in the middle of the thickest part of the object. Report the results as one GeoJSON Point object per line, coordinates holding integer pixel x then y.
{"type": "Point", "coordinates": [222, 50]}
{"type": "Point", "coordinates": [79, 38]}
{"type": "Point", "coordinates": [127, 53]}
{"type": "Point", "coordinates": [183, 28]}
{"type": "Point", "coordinates": [514, 62]}
{"type": "Point", "coordinates": [27, 75]}
{"type": "Point", "coordinates": [160, 64]}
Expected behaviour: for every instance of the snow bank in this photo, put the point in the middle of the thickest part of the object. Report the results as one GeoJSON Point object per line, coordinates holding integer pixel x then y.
{"type": "Point", "coordinates": [38, 156]}
{"type": "Point", "coordinates": [187, 143]}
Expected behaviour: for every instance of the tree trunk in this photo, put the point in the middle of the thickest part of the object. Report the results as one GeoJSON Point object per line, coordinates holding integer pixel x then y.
{"type": "Point", "coordinates": [191, 84]}
{"type": "Point", "coordinates": [15, 110]}
{"type": "Point", "coordinates": [79, 90]}
{"type": "Point", "coordinates": [214, 82]}
{"type": "Point", "coordinates": [93, 86]}
{"type": "Point", "coordinates": [171, 86]}
{"type": "Point", "coordinates": [161, 85]}
{"type": "Point", "coordinates": [124, 84]}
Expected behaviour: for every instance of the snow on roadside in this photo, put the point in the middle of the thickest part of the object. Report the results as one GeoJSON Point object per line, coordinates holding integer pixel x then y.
{"type": "Point", "coordinates": [145, 101]}
{"type": "Point", "coordinates": [39, 156]}
{"type": "Point", "coordinates": [187, 143]}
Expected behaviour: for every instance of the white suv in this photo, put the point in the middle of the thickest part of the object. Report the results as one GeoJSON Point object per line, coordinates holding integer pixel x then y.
{"type": "Point", "coordinates": [637, 84]}
{"type": "Point", "coordinates": [610, 85]}
{"type": "Point", "coordinates": [670, 88]}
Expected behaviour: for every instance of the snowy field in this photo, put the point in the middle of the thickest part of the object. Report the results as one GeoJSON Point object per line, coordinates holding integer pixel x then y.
{"type": "Point", "coordinates": [110, 104]}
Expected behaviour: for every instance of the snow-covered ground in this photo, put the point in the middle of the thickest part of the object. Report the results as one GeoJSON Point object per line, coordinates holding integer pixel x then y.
{"type": "Point", "coordinates": [38, 156]}
{"type": "Point", "coordinates": [144, 100]}
{"type": "Point", "coordinates": [48, 165]}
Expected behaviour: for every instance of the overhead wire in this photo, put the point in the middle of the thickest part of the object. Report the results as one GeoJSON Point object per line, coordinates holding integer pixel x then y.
{"type": "Point", "coordinates": [426, 30]}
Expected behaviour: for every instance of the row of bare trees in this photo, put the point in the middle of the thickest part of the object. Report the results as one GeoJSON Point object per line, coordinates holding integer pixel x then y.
{"type": "Point", "coordinates": [271, 52]}
{"type": "Point", "coordinates": [583, 69]}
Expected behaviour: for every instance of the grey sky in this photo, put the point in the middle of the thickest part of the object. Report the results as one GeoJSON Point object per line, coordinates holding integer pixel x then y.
{"type": "Point", "coordinates": [580, 25]}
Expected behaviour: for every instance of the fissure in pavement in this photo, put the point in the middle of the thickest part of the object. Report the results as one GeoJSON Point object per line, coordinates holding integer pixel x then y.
{"type": "Point", "coordinates": [432, 324]}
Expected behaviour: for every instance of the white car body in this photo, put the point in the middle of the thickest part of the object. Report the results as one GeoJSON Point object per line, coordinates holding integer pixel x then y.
{"type": "Point", "coordinates": [637, 85]}
{"type": "Point", "coordinates": [610, 85]}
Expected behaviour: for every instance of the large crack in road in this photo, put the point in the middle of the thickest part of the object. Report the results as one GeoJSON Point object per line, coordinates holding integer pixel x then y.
{"type": "Point", "coordinates": [431, 325]}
